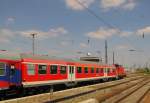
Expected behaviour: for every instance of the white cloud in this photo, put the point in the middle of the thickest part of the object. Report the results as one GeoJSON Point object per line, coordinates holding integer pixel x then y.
{"type": "Point", "coordinates": [123, 4]}
{"type": "Point", "coordinates": [104, 4]}
{"type": "Point", "coordinates": [145, 30]}
{"type": "Point", "coordinates": [130, 5]}
{"type": "Point", "coordinates": [60, 31]}
{"type": "Point", "coordinates": [5, 35]}
{"type": "Point", "coordinates": [102, 33]}
{"type": "Point", "coordinates": [75, 5]}
{"type": "Point", "coordinates": [125, 33]}
{"type": "Point", "coordinates": [10, 20]}
{"type": "Point", "coordinates": [111, 3]}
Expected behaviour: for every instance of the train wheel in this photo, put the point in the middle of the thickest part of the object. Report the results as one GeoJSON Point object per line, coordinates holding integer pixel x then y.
{"type": "Point", "coordinates": [2, 95]}
{"type": "Point", "coordinates": [117, 78]}
{"type": "Point", "coordinates": [105, 79]}
{"type": "Point", "coordinates": [71, 84]}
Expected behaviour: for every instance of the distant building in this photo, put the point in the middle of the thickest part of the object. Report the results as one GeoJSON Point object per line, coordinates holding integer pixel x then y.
{"type": "Point", "coordinates": [92, 59]}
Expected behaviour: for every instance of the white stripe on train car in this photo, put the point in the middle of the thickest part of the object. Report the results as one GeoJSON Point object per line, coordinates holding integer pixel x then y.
{"type": "Point", "coordinates": [30, 84]}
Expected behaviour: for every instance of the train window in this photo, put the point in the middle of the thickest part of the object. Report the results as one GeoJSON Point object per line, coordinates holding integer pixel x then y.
{"type": "Point", "coordinates": [113, 70]}
{"type": "Point", "coordinates": [31, 69]}
{"type": "Point", "coordinates": [101, 70]}
{"type": "Point", "coordinates": [79, 70]}
{"type": "Point", "coordinates": [72, 69]}
{"type": "Point", "coordinates": [63, 69]}
{"type": "Point", "coordinates": [97, 70]}
{"type": "Point", "coordinates": [2, 69]}
{"type": "Point", "coordinates": [85, 69]}
{"type": "Point", "coordinates": [53, 69]}
{"type": "Point", "coordinates": [108, 70]}
{"type": "Point", "coordinates": [12, 69]}
{"type": "Point", "coordinates": [92, 70]}
{"type": "Point", "coordinates": [42, 69]}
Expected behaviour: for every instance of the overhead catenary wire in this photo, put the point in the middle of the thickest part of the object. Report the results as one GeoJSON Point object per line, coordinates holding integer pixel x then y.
{"type": "Point", "coordinates": [95, 15]}
{"type": "Point", "coordinates": [99, 18]}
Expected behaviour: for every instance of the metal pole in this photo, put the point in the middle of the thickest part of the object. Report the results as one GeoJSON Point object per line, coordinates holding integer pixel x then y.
{"type": "Point", "coordinates": [106, 57]}
{"type": "Point", "coordinates": [51, 92]}
{"type": "Point", "coordinates": [100, 58]}
{"type": "Point", "coordinates": [33, 44]}
{"type": "Point", "coordinates": [113, 57]}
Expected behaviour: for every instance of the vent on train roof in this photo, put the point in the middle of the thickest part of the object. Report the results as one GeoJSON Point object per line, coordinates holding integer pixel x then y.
{"type": "Point", "coordinates": [44, 57]}
{"type": "Point", "coordinates": [91, 59]}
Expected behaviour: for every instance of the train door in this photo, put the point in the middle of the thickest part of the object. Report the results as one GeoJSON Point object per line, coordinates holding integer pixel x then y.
{"type": "Point", "coordinates": [14, 73]}
{"type": "Point", "coordinates": [105, 72]}
{"type": "Point", "coordinates": [71, 73]}
{"type": "Point", "coordinates": [4, 84]}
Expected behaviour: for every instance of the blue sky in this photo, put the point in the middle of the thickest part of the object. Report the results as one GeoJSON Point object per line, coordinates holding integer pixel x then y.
{"type": "Point", "coordinates": [64, 26]}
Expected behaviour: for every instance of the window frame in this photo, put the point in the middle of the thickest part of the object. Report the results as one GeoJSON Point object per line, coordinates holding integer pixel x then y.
{"type": "Point", "coordinates": [61, 68]}
{"type": "Point", "coordinates": [45, 69]}
{"type": "Point", "coordinates": [97, 70]}
{"type": "Point", "coordinates": [86, 68]}
{"type": "Point", "coordinates": [78, 69]}
{"type": "Point", "coordinates": [92, 69]}
{"type": "Point", "coordinates": [108, 70]}
{"type": "Point", "coordinates": [113, 70]}
{"type": "Point", "coordinates": [50, 69]}
{"type": "Point", "coordinates": [101, 70]}
{"type": "Point", "coordinates": [31, 69]}
{"type": "Point", "coordinates": [4, 69]}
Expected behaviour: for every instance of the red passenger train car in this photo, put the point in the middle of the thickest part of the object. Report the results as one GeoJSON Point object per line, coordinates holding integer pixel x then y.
{"type": "Point", "coordinates": [38, 71]}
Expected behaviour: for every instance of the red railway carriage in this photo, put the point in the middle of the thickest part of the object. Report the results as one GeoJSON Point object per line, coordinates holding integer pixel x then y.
{"type": "Point", "coordinates": [42, 71]}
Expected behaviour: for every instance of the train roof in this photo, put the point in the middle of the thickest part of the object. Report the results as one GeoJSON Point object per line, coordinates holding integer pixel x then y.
{"type": "Point", "coordinates": [45, 57]}
{"type": "Point", "coordinates": [25, 57]}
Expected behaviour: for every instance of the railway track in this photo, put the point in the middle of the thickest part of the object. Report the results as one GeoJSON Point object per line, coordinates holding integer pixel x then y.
{"type": "Point", "coordinates": [146, 97]}
{"type": "Point", "coordinates": [103, 92]}
{"type": "Point", "coordinates": [79, 94]}
{"type": "Point", "coordinates": [134, 74]}
{"type": "Point", "coordinates": [133, 94]}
